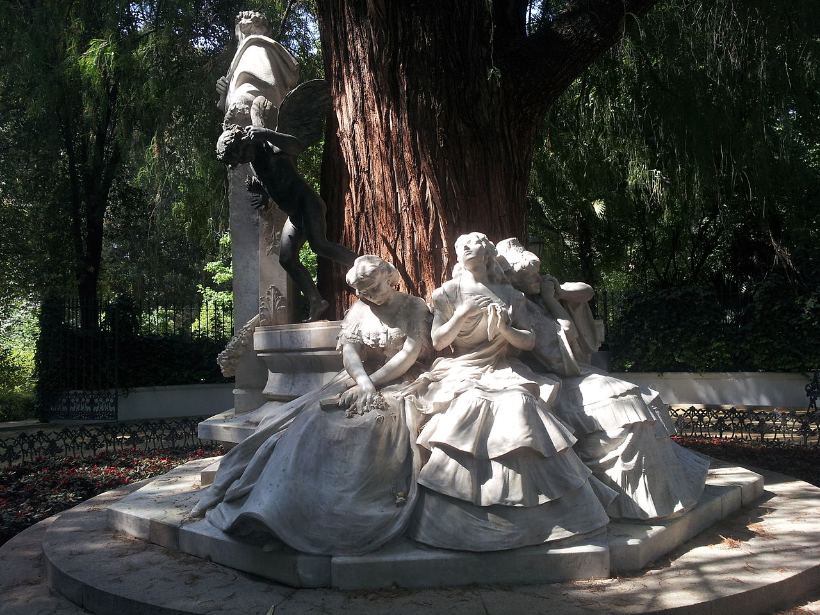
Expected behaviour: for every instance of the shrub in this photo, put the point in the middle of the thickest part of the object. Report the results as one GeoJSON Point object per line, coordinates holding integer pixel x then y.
{"type": "Point", "coordinates": [680, 329]}
{"type": "Point", "coordinates": [124, 352]}
{"type": "Point", "coordinates": [770, 327]}
{"type": "Point", "coordinates": [33, 491]}
{"type": "Point", "coordinates": [17, 406]}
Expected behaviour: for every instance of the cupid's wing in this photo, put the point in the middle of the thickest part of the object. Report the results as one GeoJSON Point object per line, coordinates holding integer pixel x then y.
{"type": "Point", "coordinates": [302, 112]}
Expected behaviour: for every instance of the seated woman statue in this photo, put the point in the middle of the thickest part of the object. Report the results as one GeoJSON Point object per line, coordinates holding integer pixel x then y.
{"type": "Point", "coordinates": [501, 471]}
{"type": "Point", "coordinates": [623, 435]}
{"type": "Point", "coordinates": [334, 471]}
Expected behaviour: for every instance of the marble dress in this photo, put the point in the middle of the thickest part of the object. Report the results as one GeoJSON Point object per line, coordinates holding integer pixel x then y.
{"type": "Point", "coordinates": [501, 471]}
{"type": "Point", "coordinates": [623, 432]}
{"type": "Point", "coordinates": [319, 480]}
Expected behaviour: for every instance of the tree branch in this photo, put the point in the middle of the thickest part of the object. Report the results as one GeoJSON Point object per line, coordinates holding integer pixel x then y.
{"type": "Point", "coordinates": [284, 21]}
{"type": "Point", "coordinates": [558, 51]}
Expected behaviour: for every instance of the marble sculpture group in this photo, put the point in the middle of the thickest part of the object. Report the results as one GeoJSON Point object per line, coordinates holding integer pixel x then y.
{"type": "Point", "coordinates": [507, 438]}
{"type": "Point", "coordinates": [476, 423]}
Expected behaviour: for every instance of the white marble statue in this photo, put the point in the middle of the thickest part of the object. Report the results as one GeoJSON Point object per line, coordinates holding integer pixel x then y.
{"type": "Point", "coordinates": [623, 435]}
{"type": "Point", "coordinates": [334, 471]}
{"type": "Point", "coordinates": [501, 471]}
{"type": "Point", "coordinates": [260, 67]}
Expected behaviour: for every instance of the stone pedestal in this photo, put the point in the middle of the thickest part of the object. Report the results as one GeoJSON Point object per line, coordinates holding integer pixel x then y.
{"type": "Point", "coordinates": [299, 358]}
{"type": "Point", "coordinates": [255, 255]}
{"type": "Point", "coordinates": [296, 359]}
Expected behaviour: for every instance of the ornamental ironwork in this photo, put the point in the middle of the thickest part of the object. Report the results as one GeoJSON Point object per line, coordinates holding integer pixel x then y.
{"type": "Point", "coordinates": [765, 425]}
{"type": "Point", "coordinates": [90, 440]}
{"type": "Point", "coordinates": [813, 390]}
{"type": "Point", "coordinates": [83, 405]}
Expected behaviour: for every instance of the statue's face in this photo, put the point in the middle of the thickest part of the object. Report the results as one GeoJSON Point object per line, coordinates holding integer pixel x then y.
{"type": "Point", "coordinates": [527, 279]}
{"type": "Point", "coordinates": [373, 288]}
{"type": "Point", "coordinates": [472, 249]}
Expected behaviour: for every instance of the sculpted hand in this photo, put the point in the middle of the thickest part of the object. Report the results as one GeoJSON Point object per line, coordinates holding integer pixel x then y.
{"type": "Point", "coordinates": [504, 317]}
{"type": "Point", "coordinates": [256, 133]}
{"type": "Point", "coordinates": [358, 394]}
{"type": "Point", "coordinates": [473, 304]}
{"type": "Point", "coordinates": [499, 321]}
{"type": "Point", "coordinates": [222, 86]}
{"type": "Point", "coordinates": [548, 290]}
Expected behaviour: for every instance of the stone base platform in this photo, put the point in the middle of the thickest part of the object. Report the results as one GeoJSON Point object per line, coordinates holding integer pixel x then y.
{"type": "Point", "coordinates": [228, 427]}
{"type": "Point", "coordinates": [763, 558]}
{"type": "Point", "coordinates": [157, 513]}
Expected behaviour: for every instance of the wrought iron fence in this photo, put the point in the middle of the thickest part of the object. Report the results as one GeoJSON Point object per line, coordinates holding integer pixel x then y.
{"type": "Point", "coordinates": [770, 427]}
{"type": "Point", "coordinates": [766, 426]}
{"type": "Point", "coordinates": [158, 317]}
{"type": "Point", "coordinates": [80, 405]}
{"type": "Point", "coordinates": [128, 344]}
{"type": "Point", "coordinates": [611, 306]}
{"type": "Point", "coordinates": [90, 440]}
{"type": "Point", "coordinates": [813, 390]}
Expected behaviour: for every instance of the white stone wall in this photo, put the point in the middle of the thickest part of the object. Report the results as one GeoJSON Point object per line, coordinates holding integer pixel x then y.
{"type": "Point", "coordinates": [731, 388]}
{"type": "Point", "coordinates": [173, 401]}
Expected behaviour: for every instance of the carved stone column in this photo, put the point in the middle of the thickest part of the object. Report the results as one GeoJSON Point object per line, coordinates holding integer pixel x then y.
{"type": "Point", "coordinates": [260, 67]}
{"type": "Point", "coordinates": [255, 253]}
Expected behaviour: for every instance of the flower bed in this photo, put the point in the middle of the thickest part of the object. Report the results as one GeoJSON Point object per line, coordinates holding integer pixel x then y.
{"type": "Point", "coordinates": [36, 490]}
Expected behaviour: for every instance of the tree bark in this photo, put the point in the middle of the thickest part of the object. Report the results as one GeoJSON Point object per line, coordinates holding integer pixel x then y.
{"type": "Point", "coordinates": [435, 110]}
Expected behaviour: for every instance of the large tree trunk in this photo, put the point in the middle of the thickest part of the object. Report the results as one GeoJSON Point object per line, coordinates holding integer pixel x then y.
{"type": "Point", "coordinates": [88, 301]}
{"type": "Point", "coordinates": [429, 142]}
{"type": "Point", "coordinates": [436, 106]}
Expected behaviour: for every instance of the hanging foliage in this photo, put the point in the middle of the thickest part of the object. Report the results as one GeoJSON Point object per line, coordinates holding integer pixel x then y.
{"type": "Point", "coordinates": [689, 153]}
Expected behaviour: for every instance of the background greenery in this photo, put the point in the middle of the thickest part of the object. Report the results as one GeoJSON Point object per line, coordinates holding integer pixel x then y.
{"type": "Point", "coordinates": [680, 175]}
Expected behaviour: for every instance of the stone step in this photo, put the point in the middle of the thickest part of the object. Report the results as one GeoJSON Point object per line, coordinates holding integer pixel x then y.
{"type": "Point", "coordinates": [158, 513]}
{"type": "Point", "coordinates": [764, 558]}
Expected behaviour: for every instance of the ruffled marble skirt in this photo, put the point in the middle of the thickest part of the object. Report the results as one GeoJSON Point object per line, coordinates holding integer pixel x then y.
{"type": "Point", "coordinates": [501, 472]}
{"type": "Point", "coordinates": [623, 437]}
{"type": "Point", "coordinates": [318, 480]}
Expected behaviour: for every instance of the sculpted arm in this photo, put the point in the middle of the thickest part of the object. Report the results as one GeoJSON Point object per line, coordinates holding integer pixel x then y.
{"type": "Point", "coordinates": [445, 330]}
{"type": "Point", "coordinates": [222, 92]}
{"type": "Point", "coordinates": [523, 339]}
{"type": "Point", "coordinates": [575, 292]}
{"type": "Point", "coordinates": [286, 143]}
{"type": "Point", "coordinates": [353, 364]}
{"type": "Point", "coordinates": [398, 364]}
{"type": "Point", "coordinates": [515, 329]}
{"type": "Point", "coordinates": [549, 296]}
{"type": "Point", "coordinates": [364, 389]}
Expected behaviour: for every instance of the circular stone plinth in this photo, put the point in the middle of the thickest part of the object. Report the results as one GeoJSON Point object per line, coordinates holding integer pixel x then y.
{"type": "Point", "coordinates": [158, 513]}
{"type": "Point", "coordinates": [763, 558]}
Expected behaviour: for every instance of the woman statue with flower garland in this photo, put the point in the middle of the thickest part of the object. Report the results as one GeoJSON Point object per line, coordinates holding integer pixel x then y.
{"type": "Point", "coordinates": [334, 471]}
